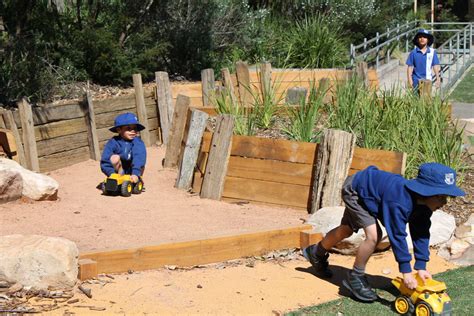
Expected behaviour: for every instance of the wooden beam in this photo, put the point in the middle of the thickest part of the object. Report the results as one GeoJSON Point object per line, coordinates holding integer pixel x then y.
{"type": "Point", "coordinates": [424, 88]}
{"type": "Point", "coordinates": [87, 269]}
{"type": "Point", "coordinates": [243, 79]}
{"type": "Point", "coordinates": [196, 252]}
{"type": "Point", "coordinates": [28, 130]}
{"type": "Point", "coordinates": [197, 125]}
{"type": "Point", "coordinates": [309, 237]}
{"type": "Point", "coordinates": [266, 79]}
{"type": "Point", "coordinates": [324, 87]}
{"type": "Point", "coordinates": [361, 71]}
{"type": "Point", "coordinates": [178, 125]}
{"type": "Point", "coordinates": [333, 161]}
{"type": "Point", "coordinates": [165, 103]}
{"type": "Point", "coordinates": [216, 169]}
{"type": "Point", "coordinates": [92, 137]}
{"type": "Point", "coordinates": [295, 95]}
{"type": "Point", "coordinates": [7, 141]}
{"type": "Point", "coordinates": [208, 82]}
{"type": "Point", "coordinates": [141, 108]}
{"type": "Point", "coordinates": [11, 125]}
{"type": "Point", "coordinates": [228, 84]}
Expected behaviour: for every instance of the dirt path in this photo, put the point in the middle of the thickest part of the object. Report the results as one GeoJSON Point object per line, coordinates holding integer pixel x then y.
{"type": "Point", "coordinates": [159, 215]}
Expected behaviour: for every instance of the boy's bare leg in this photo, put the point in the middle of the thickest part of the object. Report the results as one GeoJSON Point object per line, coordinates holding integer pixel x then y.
{"type": "Point", "coordinates": [373, 234]}
{"type": "Point", "coordinates": [116, 163]}
{"type": "Point", "coordinates": [336, 235]}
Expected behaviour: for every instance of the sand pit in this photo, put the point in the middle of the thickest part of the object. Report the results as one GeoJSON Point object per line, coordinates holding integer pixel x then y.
{"type": "Point", "coordinates": [162, 214]}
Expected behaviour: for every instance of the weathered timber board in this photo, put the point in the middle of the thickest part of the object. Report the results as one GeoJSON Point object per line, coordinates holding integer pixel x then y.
{"type": "Point", "coordinates": [63, 143]}
{"type": "Point", "coordinates": [190, 253]}
{"type": "Point", "coordinates": [63, 159]}
{"type": "Point", "coordinates": [385, 160]}
{"type": "Point", "coordinates": [122, 103]}
{"type": "Point", "coordinates": [60, 128]}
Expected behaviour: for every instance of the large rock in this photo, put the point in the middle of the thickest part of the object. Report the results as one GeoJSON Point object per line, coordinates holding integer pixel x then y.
{"type": "Point", "coordinates": [325, 219]}
{"type": "Point", "coordinates": [38, 261]}
{"type": "Point", "coordinates": [11, 186]}
{"type": "Point", "coordinates": [36, 186]}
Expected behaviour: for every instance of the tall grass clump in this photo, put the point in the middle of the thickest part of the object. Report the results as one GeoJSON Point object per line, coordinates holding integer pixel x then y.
{"type": "Point", "coordinates": [226, 103]}
{"type": "Point", "coordinates": [303, 119]}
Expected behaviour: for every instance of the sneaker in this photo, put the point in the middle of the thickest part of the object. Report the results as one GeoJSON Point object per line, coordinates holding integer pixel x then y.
{"type": "Point", "coordinates": [360, 287]}
{"type": "Point", "coordinates": [320, 264]}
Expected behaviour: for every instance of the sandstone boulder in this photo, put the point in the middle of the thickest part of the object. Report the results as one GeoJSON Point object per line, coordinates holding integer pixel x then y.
{"type": "Point", "coordinates": [38, 261]}
{"type": "Point", "coordinates": [11, 186]}
{"type": "Point", "coordinates": [36, 186]}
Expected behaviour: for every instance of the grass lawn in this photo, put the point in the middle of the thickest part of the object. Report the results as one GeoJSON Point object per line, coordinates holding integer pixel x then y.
{"type": "Point", "coordinates": [464, 91]}
{"type": "Point", "coordinates": [460, 283]}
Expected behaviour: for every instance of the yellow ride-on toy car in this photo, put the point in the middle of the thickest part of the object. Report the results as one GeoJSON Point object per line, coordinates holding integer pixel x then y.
{"type": "Point", "coordinates": [426, 299]}
{"type": "Point", "coordinates": [121, 184]}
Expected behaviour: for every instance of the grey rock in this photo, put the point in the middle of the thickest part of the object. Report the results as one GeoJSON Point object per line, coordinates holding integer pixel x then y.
{"type": "Point", "coordinates": [11, 186]}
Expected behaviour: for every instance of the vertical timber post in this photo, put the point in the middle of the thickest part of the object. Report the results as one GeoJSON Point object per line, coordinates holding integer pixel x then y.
{"type": "Point", "coordinates": [11, 125]}
{"type": "Point", "coordinates": [266, 78]}
{"type": "Point", "coordinates": [243, 79]}
{"type": "Point", "coordinates": [141, 108]}
{"type": "Point", "coordinates": [173, 147]}
{"type": "Point", "coordinates": [165, 103]}
{"type": "Point", "coordinates": [28, 131]}
{"type": "Point", "coordinates": [424, 87]}
{"type": "Point", "coordinates": [92, 137]}
{"type": "Point", "coordinates": [208, 83]}
{"type": "Point", "coordinates": [228, 84]}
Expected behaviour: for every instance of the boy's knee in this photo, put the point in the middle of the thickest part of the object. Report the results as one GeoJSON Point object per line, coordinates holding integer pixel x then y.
{"type": "Point", "coordinates": [115, 159]}
{"type": "Point", "coordinates": [345, 231]}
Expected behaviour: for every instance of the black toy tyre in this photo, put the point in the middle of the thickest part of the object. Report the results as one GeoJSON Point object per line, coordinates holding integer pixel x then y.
{"type": "Point", "coordinates": [138, 187]}
{"type": "Point", "coordinates": [126, 188]}
{"type": "Point", "coordinates": [103, 189]}
{"type": "Point", "coordinates": [403, 305]}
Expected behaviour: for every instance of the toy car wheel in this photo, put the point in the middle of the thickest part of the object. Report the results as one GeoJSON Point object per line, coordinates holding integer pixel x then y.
{"type": "Point", "coordinates": [404, 306]}
{"type": "Point", "coordinates": [138, 187]}
{"type": "Point", "coordinates": [126, 188]}
{"type": "Point", "coordinates": [423, 309]}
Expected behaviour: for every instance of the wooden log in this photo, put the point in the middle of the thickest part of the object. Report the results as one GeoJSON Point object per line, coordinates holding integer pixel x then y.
{"type": "Point", "coordinates": [196, 252]}
{"type": "Point", "coordinates": [228, 84]}
{"type": "Point", "coordinates": [295, 95]}
{"type": "Point", "coordinates": [141, 109]}
{"type": "Point", "coordinates": [2, 121]}
{"type": "Point", "coordinates": [28, 130]}
{"type": "Point", "coordinates": [87, 269]}
{"type": "Point", "coordinates": [424, 87]}
{"type": "Point", "coordinates": [197, 125]}
{"type": "Point", "coordinates": [92, 137]}
{"type": "Point", "coordinates": [243, 79]}
{"type": "Point", "coordinates": [11, 125]}
{"type": "Point", "coordinates": [332, 166]}
{"type": "Point", "coordinates": [216, 169]}
{"type": "Point", "coordinates": [173, 147]}
{"type": "Point", "coordinates": [361, 71]}
{"type": "Point", "coordinates": [324, 87]}
{"type": "Point", "coordinates": [165, 103]}
{"type": "Point", "coordinates": [266, 79]}
{"type": "Point", "coordinates": [8, 143]}
{"type": "Point", "coordinates": [208, 86]}
{"type": "Point", "coordinates": [309, 237]}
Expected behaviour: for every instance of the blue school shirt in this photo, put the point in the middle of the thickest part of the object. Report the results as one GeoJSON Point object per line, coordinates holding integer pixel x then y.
{"type": "Point", "coordinates": [422, 64]}
{"type": "Point", "coordinates": [386, 197]}
{"type": "Point", "coordinates": [132, 154]}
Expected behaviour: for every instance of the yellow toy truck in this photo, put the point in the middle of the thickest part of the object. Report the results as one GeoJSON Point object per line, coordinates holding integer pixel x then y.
{"type": "Point", "coordinates": [426, 299]}
{"type": "Point", "coordinates": [117, 184]}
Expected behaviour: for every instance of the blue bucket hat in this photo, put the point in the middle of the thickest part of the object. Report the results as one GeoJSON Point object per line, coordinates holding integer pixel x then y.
{"type": "Point", "coordinates": [435, 179]}
{"type": "Point", "coordinates": [424, 33]}
{"type": "Point", "coordinates": [126, 119]}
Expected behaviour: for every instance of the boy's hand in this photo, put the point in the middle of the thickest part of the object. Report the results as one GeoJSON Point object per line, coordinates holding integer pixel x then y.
{"type": "Point", "coordinates": [134, 178]}
{"type": "Point", "coordinates": [424, 275]}
{"type": "Point", "coordinates": [409, 280]}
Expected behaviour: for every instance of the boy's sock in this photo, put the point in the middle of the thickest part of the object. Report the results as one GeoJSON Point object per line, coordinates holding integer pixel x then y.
{"type": "Point", "coordinates": [358, 271]}
{"type": "Point", "coordinates": [319, 250]}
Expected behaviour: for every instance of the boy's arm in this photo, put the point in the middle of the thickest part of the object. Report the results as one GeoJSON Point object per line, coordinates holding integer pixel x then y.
{"type": "Point", "coordinates": [410, 76]}
{"type": "Point", "coordinates": [105, 164]}
{"type": "Point", "coordinates": [139, 157]}
{"type": "Point", "coordinates": [436, 69]}
{"type": "Point", "coordinates": [419, 224]}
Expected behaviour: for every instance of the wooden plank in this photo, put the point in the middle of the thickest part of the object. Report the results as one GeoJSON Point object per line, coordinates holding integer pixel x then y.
{"type": "Point", "coordinates": [8, 143]}
{"type": "Point", "coordinates": [63, 143]}
{"type": "Point", "coordinates": [228, 83]}
{"type": "Point", "coordinates": [115, 104]}
{"type": "Point", "coordinates": [92, 137]}
{"type": "Point", "coordinates": [141, 109]}
{"type": "Point", "coordinates": [61, 128]}
{"type": "Point", "coordinates": [191, 253]}
{"type": "Point", "coordinates": [173, 147]}
{"type": "Point", "coordinates": [197, 125]}
{"type": "Point", "coordinates": [265, 191]}
{"type": "Point", "coordinates": [216, 170]}
{"type": "Point", "coordinates": [63, 159]}
{"type": "Point", "coordinates": [267, 148]}
{"type": "Point", "coordinates": [243, 80]}
{"type": "Point", "coordinates": [309, 237]}
{"type": "Point", "coordinates": [208, 85]}
{"type": "Point", "coordinates": [87, 269]}
{"type": "Point", "coordinates": [28, 131]}
{"type": "Point", "coordinates": [266, 78]}
{"type": "Point", "coordinates": [11, 125]}
{"type": "Point", "coordinates": [270, 170]}
{"type": "Point", "coordinates": [2, 121]}
{"type": "Point", "coordinates": [390, 161]}
{"type": "Point", "coordinates": [165, 103]}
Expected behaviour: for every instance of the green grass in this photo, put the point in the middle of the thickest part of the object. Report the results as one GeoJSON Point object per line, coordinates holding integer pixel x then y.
{"type": "Point", "coordinates": [464, 92]}
{"type": "Point", "coordinates": [460, 288]}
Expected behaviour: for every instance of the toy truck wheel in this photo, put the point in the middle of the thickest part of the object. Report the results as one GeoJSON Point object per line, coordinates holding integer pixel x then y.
{"type": "Point", "coordinates": [404, 306]}
{"type": "Point", "coordinates": [423, 309]}
{"type": "Point", "coordinates": [138, 187]}
{"type": "Point", "coordinates": [126, 188]}
{"type": "Point", "coordinates": [103, 188]}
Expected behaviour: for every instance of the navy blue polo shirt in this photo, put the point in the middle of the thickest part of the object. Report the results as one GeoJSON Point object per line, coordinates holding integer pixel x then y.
{"type": "Point", "coordinates": [422, 64]}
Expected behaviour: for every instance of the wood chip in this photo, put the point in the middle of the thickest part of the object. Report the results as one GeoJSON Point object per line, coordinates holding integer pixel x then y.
{"type": "Point", "coordinates": [100, 309]}
{"type": "Point", "coordinates": [73, 301]}
{"type": "Point", "coordinates": [86, 291]}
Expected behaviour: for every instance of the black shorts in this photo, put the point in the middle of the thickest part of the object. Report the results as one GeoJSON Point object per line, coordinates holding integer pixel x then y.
{"type": "Point", "coordinates": [355, 216]}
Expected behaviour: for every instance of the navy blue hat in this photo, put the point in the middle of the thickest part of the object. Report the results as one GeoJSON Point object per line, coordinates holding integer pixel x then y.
{"type": "Point", "coordinates": [424, 33]}
{"type": "Point", "coordinates": [126, 119]}
{"type": "Point", "coordinates": [435, 179]}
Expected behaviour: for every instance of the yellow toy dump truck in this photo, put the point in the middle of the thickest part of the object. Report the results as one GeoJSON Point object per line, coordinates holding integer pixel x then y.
{"type": "Point", "coordinates": [426, 299]}
{"type": "Point", "coordinates": [121, 184]}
